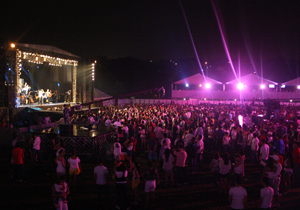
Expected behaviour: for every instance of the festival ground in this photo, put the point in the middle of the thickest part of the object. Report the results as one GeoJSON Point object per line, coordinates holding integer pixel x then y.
{"type": "Point", "coordinates": [200, 192]}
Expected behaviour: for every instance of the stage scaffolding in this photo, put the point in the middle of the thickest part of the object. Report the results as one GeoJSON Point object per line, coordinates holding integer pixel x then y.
{"type": "Point", "coordinates": [37, 54]}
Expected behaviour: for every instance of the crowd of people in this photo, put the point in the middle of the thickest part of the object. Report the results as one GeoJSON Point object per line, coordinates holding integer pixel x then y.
{"type": "Point", "coordinates": [176, 139]}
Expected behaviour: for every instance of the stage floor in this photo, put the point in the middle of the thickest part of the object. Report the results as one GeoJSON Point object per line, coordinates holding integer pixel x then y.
{"type": "Point", "coordinates": [54, 107]}
{"type": "Point", "coordinates": [46, 105]}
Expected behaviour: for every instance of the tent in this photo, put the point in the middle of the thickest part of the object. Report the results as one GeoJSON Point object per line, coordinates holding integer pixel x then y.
{"type": "Point", "coordinates": [252, 79]}
{"type": "Point", "coordinates": [294, 82]}
{"type": "Point", "coordinates": [196, 80]}
{"type": "Point", "coordinates": [45, 49]}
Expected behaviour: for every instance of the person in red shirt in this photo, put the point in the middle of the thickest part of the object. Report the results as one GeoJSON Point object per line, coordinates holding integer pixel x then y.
{"type": "Point", "coordinates": [18, 172]}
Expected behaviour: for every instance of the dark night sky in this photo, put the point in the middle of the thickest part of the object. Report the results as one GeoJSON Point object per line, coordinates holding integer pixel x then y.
{"type": "Point", "coordinates": [156, 30]}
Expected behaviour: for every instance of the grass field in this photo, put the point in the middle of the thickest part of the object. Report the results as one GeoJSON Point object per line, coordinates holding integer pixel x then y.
{"type": "Point", "coordinates": [200, 193]}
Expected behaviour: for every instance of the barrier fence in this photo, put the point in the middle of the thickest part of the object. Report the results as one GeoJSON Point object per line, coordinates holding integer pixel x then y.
{"type": "Point", "coordinates": [122, 102]}
{"type": "Point", "coordinates": [84, 146]}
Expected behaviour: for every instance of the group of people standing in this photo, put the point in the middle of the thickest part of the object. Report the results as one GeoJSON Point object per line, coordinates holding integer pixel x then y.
{"type": "Point", "coordinates": [173, 137]}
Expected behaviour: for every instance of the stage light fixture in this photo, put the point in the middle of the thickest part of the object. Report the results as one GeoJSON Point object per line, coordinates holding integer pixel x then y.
{"type": "Point", "coordinates": [298, 87]}
{"type": "Point", "coordinates": [262, 86]}
{"type": "Point", "coordinates": [187, 85]}
{"type": "Point", "coordinates": [271, 86]}
{"type": "Point", "coordinates": [12, 45]}
{"type": "Point", "coordinates": [200, 85]}
{"type": "Point", "coordinates": [207, 85]}
{"type": "Point", "coordinates": [240, 86]}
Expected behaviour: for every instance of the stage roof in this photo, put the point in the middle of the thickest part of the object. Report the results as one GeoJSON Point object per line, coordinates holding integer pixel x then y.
{"type": "Point", "coordinates": [197, 79]}
{"type": "Point", "coordinates": [293, 82]}
{"type": "Point", "coordinates": [252, 79]}
{"type": "Point", "coordinates": [98, 94]}
{"type": "Point", "coordinates": [45, 49]}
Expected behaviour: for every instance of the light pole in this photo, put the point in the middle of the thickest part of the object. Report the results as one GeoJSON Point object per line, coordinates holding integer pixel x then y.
{"type": "Point", "coordinates": [93, 80]}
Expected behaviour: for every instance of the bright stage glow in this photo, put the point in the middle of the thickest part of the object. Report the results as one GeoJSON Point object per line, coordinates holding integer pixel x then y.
{"type": "Point", "coordinates": [187, 85]}
{"type": "Point", "coordinates": [200, 85]}
{"type": "Point", "coordinates": [240, 120]}
{"type": "Point", "coordinates": [291, 100]}
{"type": "Point", "coordinates": [271, 86]}
{"type": "Point", "coordinates": [298, 87]}
{"type": "Point", "coordinates": [240, 86]}
{"type": "Point", "coordinates": [282, 86]}
{"type": "Point", "coordinates": [207, 85]}
{"type": "Point", "coordinates": [262, 86]}
{"type": "Point", "coordinates": [12, 45]}
{"type": "Point", "coordinates": [95, 61]}
{"type": "Point", "coordinates": [184, 99]}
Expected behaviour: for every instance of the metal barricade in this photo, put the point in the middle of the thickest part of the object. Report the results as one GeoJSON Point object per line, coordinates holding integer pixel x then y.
{"type": "Point", "coordinates": [87, 146]}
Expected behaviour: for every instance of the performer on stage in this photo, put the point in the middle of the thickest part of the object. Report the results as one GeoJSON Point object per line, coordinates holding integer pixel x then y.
{"type": "Point", "coordinates": [48, 94]}
{"type": "Point", "coordinates": [41, 98]}
{"type": "Point", "coordinates": [26, 88]}
{"type": "Point", "coordinates": [68, 96]}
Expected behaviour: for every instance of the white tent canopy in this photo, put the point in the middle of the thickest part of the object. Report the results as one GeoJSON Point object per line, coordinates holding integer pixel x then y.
{"type": "Point", "coordinates": [294, 82]}
{"type": "Point", "coordinates": [196, 80]}
{"type": "Point", "coordinates": [252, 79]}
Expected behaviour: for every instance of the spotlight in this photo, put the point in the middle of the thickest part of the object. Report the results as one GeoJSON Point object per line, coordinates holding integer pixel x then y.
{"type": "Point", "coordinates": [240, 86]}
{"type": "Point", "coordinates": [12, 45]}
{"type": "Point", "coordinates": [186, 85]}
{"type": "Point", "coordinates": [207, 85]}
{"type": "Point", "coordinates": [200, 85]}
{"type": "Point", "coordinates": [262, 86]}
{"type": "Point", "coordinates": [298, 87]}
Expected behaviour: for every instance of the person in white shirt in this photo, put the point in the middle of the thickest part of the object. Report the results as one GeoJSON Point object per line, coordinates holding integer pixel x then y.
{"type": "Point", "coordinates": [100, 173]}
{"type": "Point", "coordinates": [200, 151]}
{"type": "Point", "coordinates": [168, 141]}
{"type": "Point", "coordinates": [254, 148]}
{"type": "Point", "coordinates": [117, 149]}
{"type": "Point", "coordinates": [248, 144]}
{"type": "Point", "coordinates": [41, 99]}
{"type": "Point", "coordinates": [266, 194]}
{"type": "Point", "coordinates": [225, 166]}
{"type": "Point", "coordinates": [36, 149]}
{"type": "Point", "coordinates": [107, 122]}
{"type": "Point", "coordinates": [264, 152]}
{"type": "Point", "coordinates": [237, 195]}
{"type": "Point", "coordinates": [117, 124]}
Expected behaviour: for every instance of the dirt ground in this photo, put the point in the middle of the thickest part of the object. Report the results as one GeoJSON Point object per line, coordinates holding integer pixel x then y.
{"type": "Point", "coordinates": [200, 192]}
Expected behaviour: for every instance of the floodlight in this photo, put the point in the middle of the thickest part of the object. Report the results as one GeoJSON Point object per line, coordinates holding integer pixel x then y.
{"type": "Point", "coordinates": [207, 85]}
{"type": "Point", "coordinates": [186, 85]}
{"type": "Point", "coordinates": [262, 86]}
{"type": "Point", "coordinates": [240, 86]}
